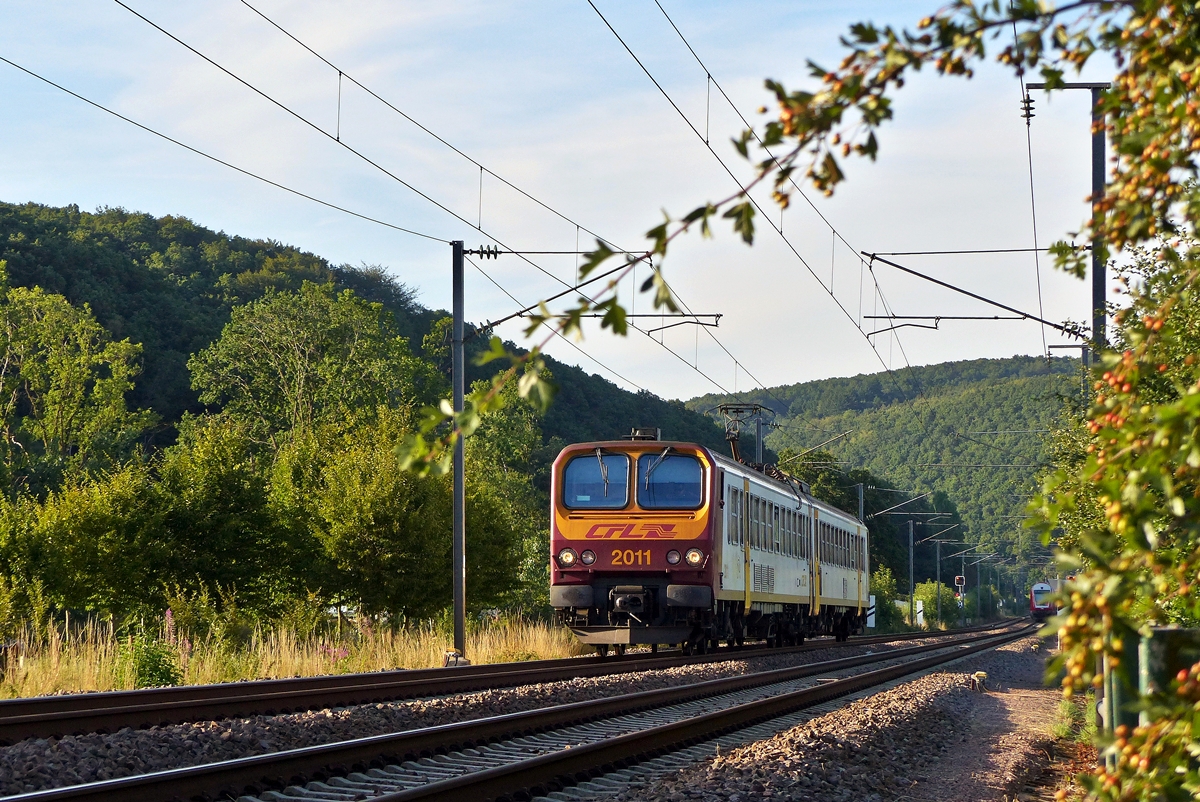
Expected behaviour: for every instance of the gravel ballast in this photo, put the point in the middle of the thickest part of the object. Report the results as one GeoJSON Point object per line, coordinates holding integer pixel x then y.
{"type": "Point", "coordinates": [37, 764]}
{"type": "Point", "coordinates": [929, 739]}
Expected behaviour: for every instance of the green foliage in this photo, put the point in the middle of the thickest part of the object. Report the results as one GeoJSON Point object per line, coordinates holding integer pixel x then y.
{"type": "Point", "coordinates": [888, 617]}
{"type": "Point", "coordinates": [170, 284]}
{"type": "Point", "coordinates": [916, 429]}
{"type": "Point", "coordinates": [149, 662]}
{"type": "Point", "coordinates": [10, 619]}
{"type": "Point", "coordinates": [293, 361]}
{"type": "Point", "coordinates": [62, 391]}
{"type": "Point", "coordinates": [927, 593]}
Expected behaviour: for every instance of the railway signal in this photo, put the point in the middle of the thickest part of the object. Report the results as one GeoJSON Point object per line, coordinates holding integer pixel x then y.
{"type": "Point", "coordinates": [960, 581]}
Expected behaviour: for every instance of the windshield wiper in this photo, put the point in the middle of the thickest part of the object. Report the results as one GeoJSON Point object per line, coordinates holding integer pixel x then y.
{"type": "Point", "coordinates": [603, 471]}
{"type": "Point", "coordinates": [655, 464]}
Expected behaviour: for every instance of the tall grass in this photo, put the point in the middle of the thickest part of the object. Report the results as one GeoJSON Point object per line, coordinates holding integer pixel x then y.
{"type": "Point", "coordinates": [90, 656]}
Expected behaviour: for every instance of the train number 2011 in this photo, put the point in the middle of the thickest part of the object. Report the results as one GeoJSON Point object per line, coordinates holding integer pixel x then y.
{"type": "Point", "coordinates": [631, 556]}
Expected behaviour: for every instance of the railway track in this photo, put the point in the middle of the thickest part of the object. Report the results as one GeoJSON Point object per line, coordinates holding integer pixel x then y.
{"type": "Point", "coordinates": [48, 716]}
{"type": "Point", "coordinates": [533, 752]}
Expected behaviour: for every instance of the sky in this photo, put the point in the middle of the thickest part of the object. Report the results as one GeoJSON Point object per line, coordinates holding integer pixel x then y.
{"type": "Point", "coordinates": [547, 98]}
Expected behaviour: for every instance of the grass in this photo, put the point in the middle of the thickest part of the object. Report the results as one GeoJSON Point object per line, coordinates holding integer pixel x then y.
{"type": "Point", "coordinates": [1076, 720]}
{"type": "Point", "coordinates": [91, 657]}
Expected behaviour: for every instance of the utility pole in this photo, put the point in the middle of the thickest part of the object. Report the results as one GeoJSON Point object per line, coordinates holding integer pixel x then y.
{"type": "Point", "coordinates": [758, 450]}
{"type": "Point", "coordinates": [978, 591]}
{"type": "Point", "coordinates": [860, 501]}
{"type": "Point", "coordinates": [939, 582]}
{"type": "Point", "coordinates": [963, 615]}
{"type": "Point", "coordinates": [912, 602]}
{"type": "Point", "coordinates": [459, 523]}
{"type": "Point", "coordinates": [1098, 275]}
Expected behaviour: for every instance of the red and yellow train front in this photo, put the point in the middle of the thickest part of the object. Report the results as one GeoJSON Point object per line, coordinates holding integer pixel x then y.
{"type": "Point", "coordinates": [631, 540]}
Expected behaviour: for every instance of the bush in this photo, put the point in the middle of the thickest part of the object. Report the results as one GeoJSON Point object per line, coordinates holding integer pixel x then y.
{"type": "Point", "coordinates": [148, 662]}
{"type": "Point", "coordinates": [887, 616]}
{"type": "Point", "coordinates": [927, 594]}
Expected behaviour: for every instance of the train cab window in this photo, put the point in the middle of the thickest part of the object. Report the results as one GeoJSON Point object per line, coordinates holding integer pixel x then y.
{"type": "Point", "coordinates": [596, 481]}
{"type": "Point", "coordinates": [669, 481]}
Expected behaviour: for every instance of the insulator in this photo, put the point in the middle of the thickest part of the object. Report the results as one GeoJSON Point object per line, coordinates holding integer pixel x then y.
{"type": "Point", "coordinates": [1027, 108]}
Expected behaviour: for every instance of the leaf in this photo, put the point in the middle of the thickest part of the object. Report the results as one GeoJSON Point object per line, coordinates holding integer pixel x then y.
{"type": "Point", "coordinates": [496, 350]}
{"type": "Point", "coordinates": [742, 215]}
{"type": "Point", "coordinates": [594, 259]}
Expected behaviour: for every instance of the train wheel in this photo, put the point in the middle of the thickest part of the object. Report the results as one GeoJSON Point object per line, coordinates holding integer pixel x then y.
{"type": "Point", "coordinates": [686, 648]}
{"type": "Point", "coordinates": [620, 649]}
{"type": "Point", "coordinates": [653, 648]}
{"type": "Point", "coordinates": [602, 650]}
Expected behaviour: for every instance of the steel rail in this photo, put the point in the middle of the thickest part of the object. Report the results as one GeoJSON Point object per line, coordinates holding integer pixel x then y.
{"type": "Point", "coordinates": [547, 773]}
{"type": "Point", "coordinates": [107, 712]}
{"type": "Point", "coordinates": [279, 769]}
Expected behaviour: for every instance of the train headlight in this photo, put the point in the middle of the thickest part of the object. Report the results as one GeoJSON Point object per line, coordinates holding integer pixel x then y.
{"type": "Point", "coordinates": [673, 557]}
{"type": "Point", "coordinates": [694, 557]}
{"type": "Point", "coordinates": [567, 558]}
{"type": "Point", "coordinates": [588, 557]}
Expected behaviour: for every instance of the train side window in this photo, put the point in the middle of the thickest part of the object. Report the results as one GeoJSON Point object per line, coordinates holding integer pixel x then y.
{"type": "Point", "coordinates": [749, 520]}
{"type": "Point", "coordinates": [731, 517]}
{"type": "Point", "coordinates": [776, 532]}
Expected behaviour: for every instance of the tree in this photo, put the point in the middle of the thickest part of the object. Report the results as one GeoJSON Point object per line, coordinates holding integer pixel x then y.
{"type": "Point", "coordinates": [63, 382]}
{"type": "Point", "coordinates": [294, 361]}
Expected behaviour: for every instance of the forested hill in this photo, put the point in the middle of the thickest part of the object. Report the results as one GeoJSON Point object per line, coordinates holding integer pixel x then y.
{"type": "Point", "coordinates": [170, 285]}
{"type": "Point", "coordinates": [972, 429]}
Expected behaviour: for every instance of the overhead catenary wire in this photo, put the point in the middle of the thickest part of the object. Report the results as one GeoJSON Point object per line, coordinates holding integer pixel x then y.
{"type": "Point", "coordinates": [1037, 265]}
{"type": "Point", "coordinates": [220, 161]}
{"type": "Point", "coordinates": [555, 331]}
{"type": "Point", "coordinates": [331, 137]}
{"type": "Point", "coordinates": [1064, 329]}
{"type": "Point", "coordinates": [483, 169]}
{"type": "Point", "coordinates": [388, 173]}
{"type": "Point", "coordinates": [878, 290]}
{"type": "Point", "coordinates": [726, 167]}
{"type": "Point", "coordinates": [973, 251]}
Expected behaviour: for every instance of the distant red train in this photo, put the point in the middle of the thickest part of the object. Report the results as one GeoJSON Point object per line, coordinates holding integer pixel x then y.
{"type": "Point", "coordinates": [1041, 602]}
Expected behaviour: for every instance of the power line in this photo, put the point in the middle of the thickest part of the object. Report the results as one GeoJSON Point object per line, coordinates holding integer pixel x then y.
{"type": "Point", "coordinates": [721, 161]}
{"type": "Point", "coordinates": [332, 137]}
{"type": "Point", "coordinates": [1064, 329]}
{"type": "Point", "coordinates": [778, 229]}
{"type": "Point", "coordinates": [1028, 104]}
{"type": "Point", "coordinates": [970, 251]}
{"type": "Point", "coordinates": [388, 173]}
{"type": "Point", "coordinates": [220, 161]}
{"type": "Point", "coordinates": [553, 330]}
{"type": "Point", "coordinates": [514, 187]}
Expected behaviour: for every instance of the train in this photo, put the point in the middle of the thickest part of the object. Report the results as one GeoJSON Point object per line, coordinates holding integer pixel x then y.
{"type": "Point", "coordinates": [665, 542]}
{"type": "Point", "coordinates": [1041, 602]}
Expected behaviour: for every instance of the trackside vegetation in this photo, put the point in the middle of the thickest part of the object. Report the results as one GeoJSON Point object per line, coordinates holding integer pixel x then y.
{"type": "Point", "coordinates": [200, 474]}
